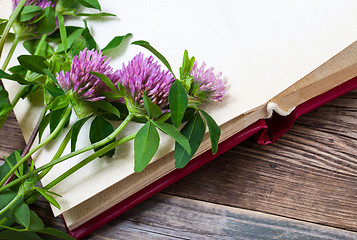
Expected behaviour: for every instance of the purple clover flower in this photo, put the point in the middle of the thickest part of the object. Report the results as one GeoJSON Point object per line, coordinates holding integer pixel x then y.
{"type": "Point", "coordinates": [206, 86]}
{"type": "Point", "coordinates": [41, 3]}
{"type": "Point", "coordinates": [144, 75]}
{"type": "Point", "coordinates": [84, 85]}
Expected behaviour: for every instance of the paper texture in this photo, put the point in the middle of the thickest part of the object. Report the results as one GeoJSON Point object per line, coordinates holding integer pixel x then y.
{"type": "Point", "coordinates": [262, 47]}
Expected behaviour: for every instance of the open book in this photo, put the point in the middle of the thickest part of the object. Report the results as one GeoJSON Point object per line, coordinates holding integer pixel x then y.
{"type": "Point", "coordinates": [275, 56]}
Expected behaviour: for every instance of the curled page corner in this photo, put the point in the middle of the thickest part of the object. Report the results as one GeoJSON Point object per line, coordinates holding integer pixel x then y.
{"type": "Point", "coordinates": [273, 107]}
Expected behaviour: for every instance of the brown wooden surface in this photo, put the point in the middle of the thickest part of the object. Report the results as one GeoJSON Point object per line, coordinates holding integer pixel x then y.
{"type": "Point", "coordinates": [309, 175]}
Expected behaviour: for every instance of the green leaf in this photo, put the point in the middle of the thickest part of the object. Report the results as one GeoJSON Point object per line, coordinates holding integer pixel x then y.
{"type": "Point", "coordinates": [187, 65]}
{"type": "Point", "coordinates": [56, 233]}
{"type": "Point", "coordinates": [2, 27]}
{"type": "Point", "coordinates": [178, 102]}
{"type": "Point", "coordinates": [152, 109]}
{"type": "Point", "coordinates": [59, 102]}
{"type": "Point", "coordinates": [116, 41]}
{"type": "Point", "coordinates": [108, 107]}
{"type": "Point", "coordinates": [31, 46]}
{"type": "Point", "coordinates": [105, 80]}
{"type": "Point", "coordinates": [9, 163]}
{"type": "Point", "coordinates": [111, 96]}
{"type": "Point", "coordinates": [14, 77]}
{"type": "Point", "coordinates": [56, 117]}
{"type": "Point", "coordinates": [154, 51]}
{"type": "Point", "coordinates": [100, 129]}
{"type": "Point", "coordinates": [18, 159]}
{"type": "Point", "coordinates": [6, 167]}
{"type": "Point", "coordinates": [214, 131]}
{"type": "Point", "coordinates": [102, 14]}
{"type": "Point", "coordinates": [50, 75]}
{"type": "Point", "coordinates": [90, 4]}
{"type": "Point", "coordinates": [77, 46]}
{"type": "Point", "coordinates": [19, 213]}
{"type": "Point", "coordinates": [29, 12]}
{"type": "Point", "coordinates": [56, 36]}
{"type": "Point", "coordinates": [123, 112]}
{"type": "Point", "coordinates": [121, 88]}
{"type": "Point", "coordinates": [28, 90]}
{"type": "Point", "coordinates": [54, 91]}
{"type": "Point", "coordinates": [14, 235]}
{"type": "Point", "coordinates": [62, 29]}
{"type": "Point", "coordinates": [48, 197]}
{"type": "Point", "coordinates": [48, 23]}
{"type": "Point", "coordinates": [70, 4]}
{"type": "Point", "coordinates": [70, 39]}
{"type": "Point", "coordinates": [6, 197]}
{"type": "Point", "coordinates": [36, 223]}
{"type": "Point", "coordinates": [175, 134]}
{"type": "Point", "coordinates": [18, 69]}
{"type": "Point", "coordinates": [91, 43]}
{"type": "Point", "coordinates": [33, 63]}
{"type": "Point", "coordinates": [75, 132]}
{"type": "Point", "coordinates": [4, 96]}
{"type": "Point", "coordinates": [146, 144]}
{"type": "Point", "coordinates": [194, 131]}
{"type": "Point", "coordinates": [81, 108]}
{"type": "Point", "coordinates": [44, 123]}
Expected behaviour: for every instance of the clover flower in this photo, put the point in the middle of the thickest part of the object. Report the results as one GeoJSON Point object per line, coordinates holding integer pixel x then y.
{"type": "Point", "coordinates": [144, 75]}
{"type": "Point", "coordinates": [41, 3]}
{"type": "Point", "coordinates": [206, 86]}
{"type": "Point", "coordinates": [80, 82]}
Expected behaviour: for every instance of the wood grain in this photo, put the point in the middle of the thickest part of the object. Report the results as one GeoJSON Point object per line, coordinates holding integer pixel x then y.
{"type": "Point", "coordinates": [11, 137]}
{"type": "Point", "coordinates": [309, 174]}
{"type": "Point", "coordinates": [169, 217]}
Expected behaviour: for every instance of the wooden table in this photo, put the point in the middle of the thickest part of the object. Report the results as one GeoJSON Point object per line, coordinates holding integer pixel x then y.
{"type": "Point", "coordinates": [304, 186]}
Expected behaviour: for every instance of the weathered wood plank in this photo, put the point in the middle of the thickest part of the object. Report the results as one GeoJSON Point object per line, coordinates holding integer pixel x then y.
{"type": "Point", "coordinates": [11, 137]}
{"type": "Point", "coordinates": [308, 174]}
{"type": "Point", "coordinates": [170, 217]}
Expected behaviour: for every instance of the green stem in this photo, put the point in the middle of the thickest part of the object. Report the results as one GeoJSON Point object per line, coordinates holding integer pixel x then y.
{"type": "Point", "coordinates": [4, 220]}
{"type": "Point", "coordinates": [89, 159]}
{"type": "Point", "coordinates": [10, 22]}
{"type": "Point", "coordinates": [13, 201]}
{"type": "Point", "coordinates": [30, 141]}
{"type": "Point", "coordinates": [23, 88]}
{"type": "Point", "coordinates": [75, 153]}
{"type": "Point", "coordinates": [18, 95]}
{"type": "Point", "coordinates": [11, 52]}
{"type": "Point", "coordinates": [80, 164]}
{"type": "Point", "coordinates": [49, 138]}
{"type": "Point", "coordinates": [14, 229]}
{"type": "Point", "coordinates": [33, 136]}
{"type": "Point", "coordinates": [40, 44]}
{"type": "Point", "coordinates": [58, 154]}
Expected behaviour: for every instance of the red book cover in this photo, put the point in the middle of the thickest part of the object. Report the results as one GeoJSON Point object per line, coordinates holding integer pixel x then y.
{"type": "Point", "coordinates": [264, 131]}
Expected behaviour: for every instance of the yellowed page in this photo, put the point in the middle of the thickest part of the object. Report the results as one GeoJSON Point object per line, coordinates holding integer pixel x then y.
{"type": "Point", "coordinates": [262, 47]}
